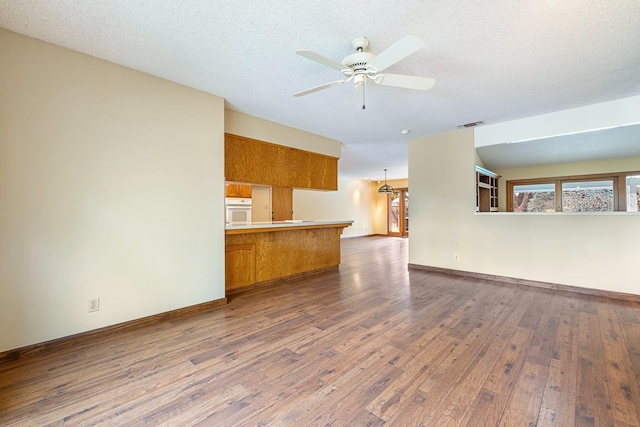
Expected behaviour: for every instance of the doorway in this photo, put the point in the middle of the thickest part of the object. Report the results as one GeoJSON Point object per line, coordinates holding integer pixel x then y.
{"type": "Point", "coordinates": [398, 213]}
{"type": "Point", "coordinates": [281, 203]}
{"type": "Point", "coordinates": [261, 204]}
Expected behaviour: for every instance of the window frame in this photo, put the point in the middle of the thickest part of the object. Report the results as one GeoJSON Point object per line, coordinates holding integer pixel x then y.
{"type": "Point", "coordinates": [619, 187]}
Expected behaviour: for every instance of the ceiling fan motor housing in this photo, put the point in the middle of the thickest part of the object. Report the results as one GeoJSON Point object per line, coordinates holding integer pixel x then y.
{"type": "Point", "coordinates": [358, 61]}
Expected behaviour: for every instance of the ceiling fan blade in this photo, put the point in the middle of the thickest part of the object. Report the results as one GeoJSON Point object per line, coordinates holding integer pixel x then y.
{"type": "Point", "coordinates": [318, 88]}
{"type": "Point", "coordinates": [408, 82]}
{"type": "Point", "coordinates": [309, 54]}
{"type": "Point", "coordinates": [396, 52]}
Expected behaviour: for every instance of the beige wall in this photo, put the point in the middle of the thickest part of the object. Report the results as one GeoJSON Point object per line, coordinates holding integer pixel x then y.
{"type": "Point", "coordinates": [353, 201]}
{"type": "Point", "coordinates": [589, 250]}
{"type": "Point", "coordinates": [630, 164]}
{"type": "Point", "coordinates": [356, 200]}
{"type": "Point", "coordinates": [264, 130]}
{"type": "Point", "coordinates": [380, 210]}
{"type": "Point", "coordinates": [111, 186]}
{"type": "Point", "coordinates": [479, 161]}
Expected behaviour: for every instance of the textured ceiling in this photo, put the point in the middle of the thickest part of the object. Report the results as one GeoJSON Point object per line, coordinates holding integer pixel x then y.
{"type": "Point", "coordinates": [494, 60]}
{"type": "Point", "coordinates": [619, 142]}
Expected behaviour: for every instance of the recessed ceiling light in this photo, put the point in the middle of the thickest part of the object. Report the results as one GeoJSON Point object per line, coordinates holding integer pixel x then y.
{"type": "Point", "coordinates": [405, 131]}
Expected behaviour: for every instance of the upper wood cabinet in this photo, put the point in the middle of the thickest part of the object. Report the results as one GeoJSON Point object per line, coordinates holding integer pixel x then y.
{"type": "Point", "coordinates": [238, 190]}
{"type": "Point", "coordinates": [259, 162]}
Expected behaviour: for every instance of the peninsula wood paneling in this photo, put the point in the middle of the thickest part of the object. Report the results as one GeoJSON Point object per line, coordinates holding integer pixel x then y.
{"type": "Point", "coordinates": [240, 266]}
{"type": "Point", "coordinates": [281, 253]}
{"type": "Point", "coordinates": [259, 162]}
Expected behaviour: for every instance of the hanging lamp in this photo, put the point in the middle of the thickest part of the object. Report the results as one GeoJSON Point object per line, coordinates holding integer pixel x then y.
{"type": "Point", "coordinates": [386, 188]}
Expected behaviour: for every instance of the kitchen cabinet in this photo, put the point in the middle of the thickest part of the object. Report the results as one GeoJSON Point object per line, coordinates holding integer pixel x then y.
{"type": "Point", "coordinates": [240, 266]}
{"type": "Point", "coordinates": [264, 163]}
{"type": "Point", "coordinates": [486, 190]}
{"type": "Point", "coordinates": [269, 253]}
{"type": "Point", "coordinates": [238, 190]}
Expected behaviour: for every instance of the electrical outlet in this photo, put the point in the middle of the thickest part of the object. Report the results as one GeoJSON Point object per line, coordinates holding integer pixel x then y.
{"type": "Point", "coordinates": [94, 305]}
{"type": "Point", "coordinates": [456, 257]}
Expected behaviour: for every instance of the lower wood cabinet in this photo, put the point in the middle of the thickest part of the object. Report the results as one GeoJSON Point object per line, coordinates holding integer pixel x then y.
{"type": "Point", "coordinates": [240, 266]}
{"type": "Point", "coordinates": [258, 256]}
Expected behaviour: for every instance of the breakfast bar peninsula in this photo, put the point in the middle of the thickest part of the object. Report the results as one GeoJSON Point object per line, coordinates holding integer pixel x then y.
{"type": "Point", "coordinates": [261, 253]}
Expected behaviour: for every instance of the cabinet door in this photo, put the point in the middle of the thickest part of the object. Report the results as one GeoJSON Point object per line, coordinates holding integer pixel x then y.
{"type": "Point", "coordinates": [282, 203]}
{"type": "Point", "coordinates": [486, 192]}
{"type": "Point", "coordinates": [238, 190]}
{"type": "Point", "coordinates": [263, 163]}
{"type": "Point", "coordinates": [240, 271]}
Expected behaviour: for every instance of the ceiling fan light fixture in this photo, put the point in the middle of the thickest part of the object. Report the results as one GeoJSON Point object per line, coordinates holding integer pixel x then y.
{"type": "Point", "coordinates": [405, 131]}
{"type": "Point", "coordinates": [386, 188]}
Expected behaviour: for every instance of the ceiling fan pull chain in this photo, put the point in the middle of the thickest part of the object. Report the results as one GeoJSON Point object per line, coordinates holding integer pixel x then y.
{"type": "Point", "coordinates": [363, 85]}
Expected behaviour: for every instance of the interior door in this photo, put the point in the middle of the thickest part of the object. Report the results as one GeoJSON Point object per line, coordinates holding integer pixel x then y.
{"type": "Point", "coordinates": [261, 206]}
{"type": "Point", "coordinates": [398, 213]}
{"type": "Point", "coordinates": [281, 203]}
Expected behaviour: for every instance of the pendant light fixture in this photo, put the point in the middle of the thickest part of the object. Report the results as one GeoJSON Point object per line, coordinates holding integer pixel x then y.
{"type": "Point", "coordinates": [386, 188]}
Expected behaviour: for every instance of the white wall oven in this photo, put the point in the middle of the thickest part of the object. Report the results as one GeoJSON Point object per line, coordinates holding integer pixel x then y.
{"type": "Point", "coordinates": [238, 210]}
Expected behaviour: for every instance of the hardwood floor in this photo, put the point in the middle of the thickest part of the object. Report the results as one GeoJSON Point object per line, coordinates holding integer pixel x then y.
{"type": "Point", "coordinates": [371, 344]}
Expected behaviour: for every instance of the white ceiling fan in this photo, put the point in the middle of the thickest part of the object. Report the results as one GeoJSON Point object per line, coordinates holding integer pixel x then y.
{"type": "Point", "coordinates": [362, 66]}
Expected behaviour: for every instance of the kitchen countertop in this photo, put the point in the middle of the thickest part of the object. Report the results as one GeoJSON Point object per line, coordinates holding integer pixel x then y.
{"type": "Point", "coordinates": [290, 224]}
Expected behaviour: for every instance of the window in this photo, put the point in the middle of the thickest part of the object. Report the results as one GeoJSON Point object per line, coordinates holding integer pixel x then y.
{"type": "Point", "coordinates": [587, 196]}
{"type": "Point", "coordinates": [534, 197]}
{"type": "Point", "coordinates": [633, 193]}
{"type": "Point", "coordinates": [583, 193]}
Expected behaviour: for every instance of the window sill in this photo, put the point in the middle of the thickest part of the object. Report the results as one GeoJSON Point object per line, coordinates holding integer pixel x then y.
{"type": "Point", "coordinates": [557, 213]}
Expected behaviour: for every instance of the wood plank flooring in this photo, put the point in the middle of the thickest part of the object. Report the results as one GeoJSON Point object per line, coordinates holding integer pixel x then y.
{"type": "Point", "coordinates": [372, 344]}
